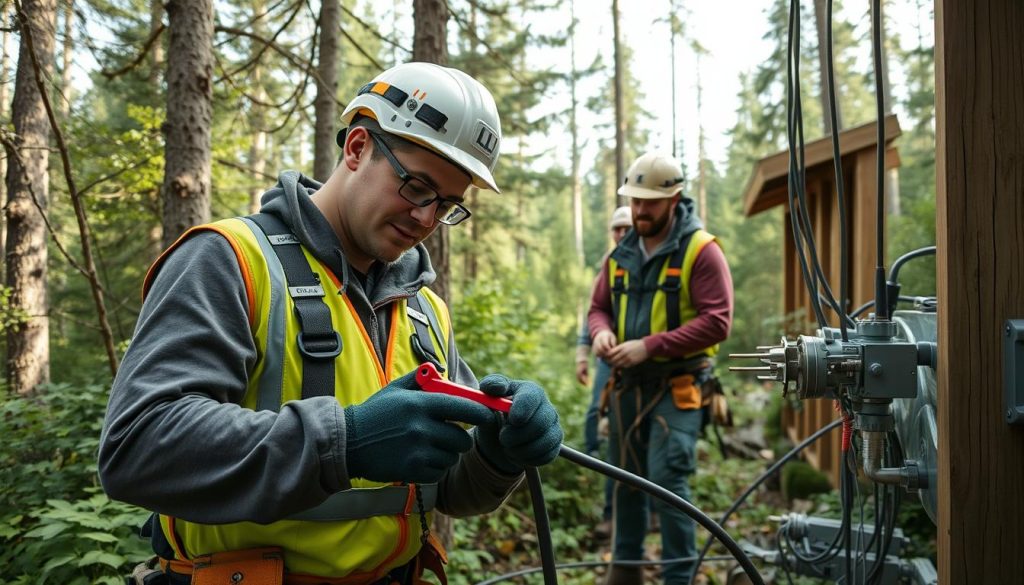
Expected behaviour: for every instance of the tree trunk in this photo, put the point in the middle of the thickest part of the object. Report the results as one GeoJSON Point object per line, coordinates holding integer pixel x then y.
{"type": "Point", "coordinates": [156, 52]}
{"type": "Point", "coordinates": [186, 187]}
{"type": "Point", "coordinates": [324, 146]}
{"type": "Point", "coordinates": [620, 113]}
{"type": "Point", "coordinates": [68, 50]}
{"type": "Point", "coordinates": [577, 186]}
{"type": "Point", "coordinates": [892, 177]}
{"type": "Point", "coordinates": [258, 118]}
{"type": "Point", "coordinates": [5, 63]}
{"type": "Point", "coordinates": [28, 184]}
{"type": "Point", "coordinates": [430, 45]}
{"type": "Point", "coordinates": [702, 176]}
{"type": "Point", "coordinates": [155, 234]}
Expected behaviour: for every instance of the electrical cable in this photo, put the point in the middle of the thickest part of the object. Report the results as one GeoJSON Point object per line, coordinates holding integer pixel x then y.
{"type": "Point", "coordinates": [903, 298]}
{"type": "Point", "coordinates": [671, 499]}
{"type": "Point", "coordinates": [837, 162]}
{"type": "Point", "coordinates": [793, 178]}
{"type": "Point", "coordinates": [761, 479]}
{"type": "Point", "coordinates": [881, 304]}
{"type": "Point", "coordinates": [540, 514]}
{"type": "Point", "coordinates": [894, 271]}
{"type": "Point", "coordinates": [591, 564]}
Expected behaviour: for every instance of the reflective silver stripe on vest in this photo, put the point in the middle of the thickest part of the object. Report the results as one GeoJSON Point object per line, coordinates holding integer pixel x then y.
{"type": "Point", "coordinates": [361, 503]}
{"type": "Point", "coordinates": [269, 392]}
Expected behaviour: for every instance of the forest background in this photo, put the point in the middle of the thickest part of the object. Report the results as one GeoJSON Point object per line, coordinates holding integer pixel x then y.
{"type": "Point", "coordinates": [91, 161]}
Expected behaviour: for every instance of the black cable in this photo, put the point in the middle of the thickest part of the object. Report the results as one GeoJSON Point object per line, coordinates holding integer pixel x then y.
{"type": "Point", "coordinates": [881, 304]}
{"type": "Point", "coordinates": [838, 164]}
{"type": "Point", "coordinates": [904, 298]}
{"type": "Point", "coordinates": [590, 564]}
{"type": "Point", "coordinates": [540, 514]}
{"type": "Point", "coordinates": [793, 178]}
{"type": "Point", "coordinates": [669, 498]}
{"type": "Point", "coordinates": [782, 555]}
{"type": "Point", "coordinates": [894, 271]}
{"type": "Point", "coordinates": [761, 479]}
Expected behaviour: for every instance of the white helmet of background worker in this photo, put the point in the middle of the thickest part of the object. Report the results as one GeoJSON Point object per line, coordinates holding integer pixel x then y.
{"type": "Point", "coordinates": [653, 176]}
{"type": "Point", "coordinates": [439, 108]}
{"type": "Point", "coordinates": [621, 217]}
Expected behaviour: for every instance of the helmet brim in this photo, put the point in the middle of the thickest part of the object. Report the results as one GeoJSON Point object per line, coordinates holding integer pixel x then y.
{"type": "Point", "coordinates": [645, 193]}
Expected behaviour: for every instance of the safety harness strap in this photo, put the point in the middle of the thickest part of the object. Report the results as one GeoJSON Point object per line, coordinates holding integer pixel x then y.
{"type": "Point", "coordinates": [361, 503]}
{"type": "Point", "coordinates": [423, 318]}
{"type": "Point", "coordinates": [318, 342]}
{"type": "Point", "coordinates": [673, 283]}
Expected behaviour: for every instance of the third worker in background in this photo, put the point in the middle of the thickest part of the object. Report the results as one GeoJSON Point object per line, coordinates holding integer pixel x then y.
{"type": "Point", "coordinates": [661, 305]}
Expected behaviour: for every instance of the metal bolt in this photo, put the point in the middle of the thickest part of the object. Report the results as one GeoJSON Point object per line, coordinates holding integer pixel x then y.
{"type": "Point", "coordinates": [237, 577]}
{"type": "Point", "coordinates": [875, 369]}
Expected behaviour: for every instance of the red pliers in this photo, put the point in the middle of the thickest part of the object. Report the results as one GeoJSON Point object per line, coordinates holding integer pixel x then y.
{"type": "Point", "coordinates": [430, 380]}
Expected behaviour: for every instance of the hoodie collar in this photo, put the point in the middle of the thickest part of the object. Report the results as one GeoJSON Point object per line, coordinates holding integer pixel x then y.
{"type": "Point", "coordinates": [289, 200]}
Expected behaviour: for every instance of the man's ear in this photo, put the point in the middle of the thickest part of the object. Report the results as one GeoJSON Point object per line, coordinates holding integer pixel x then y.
{"type": "Point", "coordinates": [356, 147]}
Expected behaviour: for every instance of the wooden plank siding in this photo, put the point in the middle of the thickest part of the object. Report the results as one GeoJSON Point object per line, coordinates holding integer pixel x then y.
{"type": "Point", "coordinates": [979, 94]}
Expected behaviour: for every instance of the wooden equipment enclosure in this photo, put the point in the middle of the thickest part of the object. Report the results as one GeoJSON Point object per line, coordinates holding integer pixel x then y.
{"type": "Point", "coordinates": [768, 188]}
{"type": "Point", "coordinates": [979, 116]}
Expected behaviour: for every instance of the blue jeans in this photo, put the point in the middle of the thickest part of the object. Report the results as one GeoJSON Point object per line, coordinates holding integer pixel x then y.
{"type": "Point", "coordinates": [660, 446]}
{"type": "Point", "coordinates": [592, 443]}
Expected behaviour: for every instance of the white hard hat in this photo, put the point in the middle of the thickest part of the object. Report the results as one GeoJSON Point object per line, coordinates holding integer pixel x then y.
{"type": "Point", "coordinates": [653, 176]}
{"type": "Point", "coordinates": [621, 217]}
{"type": "Point", "coordinates": [440, 108]}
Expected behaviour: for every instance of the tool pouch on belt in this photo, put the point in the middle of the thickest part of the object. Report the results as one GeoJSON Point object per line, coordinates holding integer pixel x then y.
{"type": "Point", "coordinates": [715, 404]}
{"type": "Point", "coordinates": [433, 558]}
{"type": "Point", "coordinates": [685, 393]}
{"type": "Point", "coordinates": [255, 566]}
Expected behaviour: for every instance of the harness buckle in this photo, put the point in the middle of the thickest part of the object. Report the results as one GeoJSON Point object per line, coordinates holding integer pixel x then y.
{"type": "Point", "coordinates": [319, 347]}
{"type": "Point", "coordinates": [424, 353]}
{"type": "Point", "coordinates": [674, 287]}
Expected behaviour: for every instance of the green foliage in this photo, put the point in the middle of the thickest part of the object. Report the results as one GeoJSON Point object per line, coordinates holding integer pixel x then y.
{"type": "Point", "coordinates": [10, 315]}
{"type": "Point", "coordinates": [800, 480]}
{"type": "Point", "coordinates": [56, 525]}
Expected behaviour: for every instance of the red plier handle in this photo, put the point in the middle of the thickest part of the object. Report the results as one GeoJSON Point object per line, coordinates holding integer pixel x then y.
{"type": "Point", "coordinates": [430, 380]}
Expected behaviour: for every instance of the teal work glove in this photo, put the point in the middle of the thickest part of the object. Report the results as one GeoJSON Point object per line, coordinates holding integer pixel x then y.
{"type": "Point", "coordinates": [529, 436]}
{"type": "Point", "coordinates": [404, 434]}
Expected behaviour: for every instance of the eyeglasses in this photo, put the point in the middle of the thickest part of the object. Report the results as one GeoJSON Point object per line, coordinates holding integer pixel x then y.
{"type": "Point", "coordinates": [419, 193]}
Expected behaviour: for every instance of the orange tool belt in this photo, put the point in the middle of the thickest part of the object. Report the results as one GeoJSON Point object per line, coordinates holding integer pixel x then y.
{"type": "Point", "coordinates": [265, 566]}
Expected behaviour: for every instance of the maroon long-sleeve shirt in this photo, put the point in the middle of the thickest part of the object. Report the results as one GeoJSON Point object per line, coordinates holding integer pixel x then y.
{"type": "Point", "coordinates": [710, 293]}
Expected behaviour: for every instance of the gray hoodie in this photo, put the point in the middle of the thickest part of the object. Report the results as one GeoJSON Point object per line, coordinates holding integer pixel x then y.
{"type": "Point", "coordinates": [175, 440]}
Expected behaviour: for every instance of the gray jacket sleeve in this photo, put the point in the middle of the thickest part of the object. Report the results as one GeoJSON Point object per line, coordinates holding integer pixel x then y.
{"type": "Point", "coordinates": [175, 440]}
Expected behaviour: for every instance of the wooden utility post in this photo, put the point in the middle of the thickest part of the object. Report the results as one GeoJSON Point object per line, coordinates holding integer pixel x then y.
{"type": "Point", "coordinates": [979, 90]}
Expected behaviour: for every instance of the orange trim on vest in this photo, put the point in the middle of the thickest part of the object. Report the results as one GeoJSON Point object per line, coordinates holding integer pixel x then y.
{"type": "Point", "coordinates": [175, 540]}
{"type": "Point", "coordinates": [392, 335]}
{"type": "Point", "coordinates": [243, 266]}
{"type": "Point", "coordinates": [673, 271]}
{"type": "Point", "coordinates": [366, 339]}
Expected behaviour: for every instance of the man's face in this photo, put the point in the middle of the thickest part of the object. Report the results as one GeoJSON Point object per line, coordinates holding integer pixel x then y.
{"type": "Point", "coordinates": [379, 224]}
{"type": "Point", "coordinates": [651, 216]}
{"type": "Point", "coordinates": [619, 232]}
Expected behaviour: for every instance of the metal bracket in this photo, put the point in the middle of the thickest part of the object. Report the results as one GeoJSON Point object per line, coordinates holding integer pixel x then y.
{"type": "Point", "coordinates": [1013, 371]}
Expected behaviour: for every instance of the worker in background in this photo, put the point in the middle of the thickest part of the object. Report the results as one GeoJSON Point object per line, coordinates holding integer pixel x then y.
{"type": "Point", "coordinates": [619, 225]}
{"type": "Point", "coordinates": [266, 410]}
{"type": "Point", "coordinates": [662, 304]}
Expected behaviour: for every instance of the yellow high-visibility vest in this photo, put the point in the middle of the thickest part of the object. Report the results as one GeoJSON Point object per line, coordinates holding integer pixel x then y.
{"type": "Point", "coordinates": [642, 310]}
{"type": "Point", "coordinates": [367, 547]}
